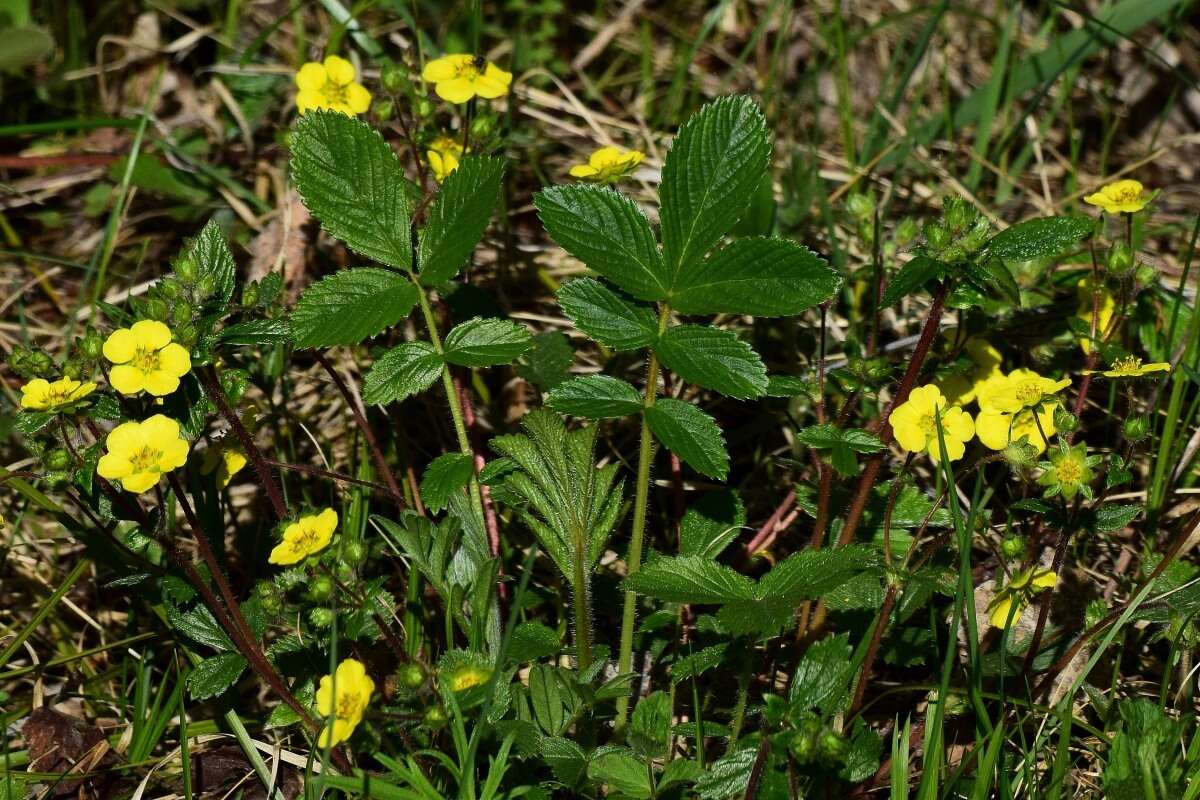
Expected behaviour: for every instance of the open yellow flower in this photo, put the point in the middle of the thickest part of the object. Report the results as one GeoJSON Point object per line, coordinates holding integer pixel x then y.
{"type": "Point", "coordinates": [460, 76]}
{"type": "Point", "coordinates": [1130, 367]}
{"type": "Point", "coordinates": [343, 697]}
{"type": "Point", "coordinates": [1104, 310]}
{"type": "Point", "coordinates": [305, 536]}
{"type": "Point", "coordinates": [42, 395]}
{"type": "Point", "coordinates": [1022, 389]}
{"type": "Point", "coordinates": [443, 155]}
{"type": "Point", "coordinates": [608, 165]}
{"type": "Point", "coordinates": [1018, 592]}
{"type": "Point", "coordinates": [1124, 196]}
{"type": "Point", "coordinates": [996, 430]}
{"type": "Point", "coordinates": [915, 424]}
{"type": "Point", "coordinates": [962, 389]}
{"type": "Point", "coordinates": [146, 359]}
{"type": "Point", "coordinates": [139, 453]}
{"type": "Point", "coordinates": [331, 85]}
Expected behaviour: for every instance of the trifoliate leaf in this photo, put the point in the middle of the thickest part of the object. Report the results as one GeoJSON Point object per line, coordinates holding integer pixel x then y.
{"type": "Point", "coordinates": [350, 306]}
{"type": "Point", "coordinates": [404, 370]}
{"type": "Point", "coordinates": [760, 275]}
{"type": "Point", "coordinates": [709, 176]}
{"type": "Point", "coordinates": [713, 358]}
{"type": "Point", "coordinates": [351, 181]}
{"type": "Point", "coordinates": [609, 233]}
{"type": "Point", "coordinates": [1039, 238]}
{"type": "Point", "coordinates": [486, 342]}
{"type": "Point", "coordinates": [690, 434]}
{"type": "Point", "coordinates": [446, 474]}
{"type": "Point", "coordinates": [607, 317]}
{"type": "Point", "coordinates": [214, 675]}
{"type": "Point", "coordinates": [595, 397]}
{"type": "Point", "coordinates": [458, 218]}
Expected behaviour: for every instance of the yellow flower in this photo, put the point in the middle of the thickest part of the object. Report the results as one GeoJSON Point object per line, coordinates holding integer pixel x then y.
{"type": "Point", "coordinates": [1105, 309]}
{"type": "Point", "coordinates": [996, 430]}
{"type": "Point", "coordinates": [308, 535]}
{"type": "Point", "coordinates": [146, 359]}
{"type": "Point", "coordinates": [468, 677]}
{"type": "Point", "coordinates": [443, 155]}
{"type": "Point", "coordinates": [1021, 389]}
{"type": "Point", "coordinates": [140, 452]}
{"type": "Point", "coordinates": [42, 395]}
{"type": "Point", "coordinates": [1126, 196]}
{"type": "Point", "coordinates": [608, 165]}
{"type": "Point", "coordinates": [352, 687]}
{"type": "Point", "coordinates": [1131, 367]}
{"type": "Point", "coordinates": [331, 86]}
{"type": "Point", "coordinates": [962, 389]}
{"type": "Point", "coordinates": [225, 461]}
{"type": "Point", "coordinates": [1018, 592]}
{"type": "Point", "coordinates": [460, 76]}
{"type": "Point", "coordinates": [915, 425]}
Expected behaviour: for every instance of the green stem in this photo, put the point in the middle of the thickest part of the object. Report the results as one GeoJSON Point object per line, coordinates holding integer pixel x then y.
{"type": "Point", "coordinates": [583, 617]}
{"type": "Point", "coordinates": [640, 500]}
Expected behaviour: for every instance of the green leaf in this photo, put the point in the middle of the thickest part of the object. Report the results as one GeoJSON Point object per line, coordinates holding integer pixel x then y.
{"type": "Point", "coordinates": [842, 444]}
{"type": "Point", "coordinates": [31, 422]}
{"type": "Point", "coordinates": [690, 579]}
{"type": "Point", "coordinates": [1039, 238]}
{"type": "Point", "coordinates": [698, 663]}
{"type": "Point", "coordinates": [404, 370]}
{"type": "Point", "coordinates": [609, 233]}
{"type": "Point", "coordinates": [445, 475]}
{"type": "Point", "coordinates": [713, 358]}
{"type": "Point", "coordinates": [257, 332]}
{"type": "Point", "coordinates": [549, 362]}
{"type": "Point", "coordinates": [920, 270]}
{"type": "Point", "coordinates": [623, 774]}
{"type": "Point", "coordinates": [690, 434]}
{"type": "Point", "coordinates": [811, 573]}
{"type": "Point", "coordinates": [991, 274]}
{"type": "Point", "coordinates": [486, 341]}
{"type": "Point", "coordinates": [566, 759]}
{"type": "Point", "coordinates": [822, 676]}
{"type": "Point", "coordinates": [214, 262]}
{"type": "Point", "coordinates": [214, 675]}
{"type": "Point", "coordinates": [607, 317]}
{"type": "Point", "coordinates": [862, 760]}
{"type": "Point", "coordinates": [1113, 517]}
{"type": "Point", "coordinates": [787, 386]}
{"type": "Point", "coordinates": [709, 525]}
{"type": "Point", "coordinates": [709, 176]}
{"type": "Point", "coordinates": [459, 217]}
{"type": "Point", "coordinates": [531, 641]}
{"type": "Point", "coordinates": [728, 776]}
{"type": "Point", "coordinates": [760, 275]}
{"type": "Point", "coordinates": [545, 696]}
{"type": "Point", "coordinates": [650, 726]}
{"type": "Point", "coordinates": [199, 625]}
{"type": "Point", "coordinates": [353, 183]}
{"type": "Point", "coordinates": [595, 397]}
{"type": "Point", "coordinates": [350, 306]}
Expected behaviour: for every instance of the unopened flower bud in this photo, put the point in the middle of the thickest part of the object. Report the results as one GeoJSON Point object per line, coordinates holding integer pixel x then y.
{"type": "Point", "coordinates": [72, 369]}
{"type": "Point", "coordinates": [425, 108]}
{"type": "Point", "coordinates": [1120, 259]}
{"type": "Point", "coordinates": [1013, 547]}
{"type": "Point", "coordinates": [170, 289]}
{"type": "Point", "coordinates": [353, 552]}
{"type": "Point", "coordinates": [57, 459]}
{"type": "Point", "coordinates": [906, 231]}
{"type": "Point", "coordinates": [156, 308]}
{"type": "Point", "coordinates": [1095, 611]}
{"type": "Point", "coordinates": [320, 589]}
{"type": "Point", "coordinates": [1065, 421]}
{"type": "Point", "coordinates": [1020, 455]}
{"type": "Point", "coordinates": [1136, 428]}
{"type": "Point", "coordinates": [234, 382]}
{"type": "Point", "coordinates": [186, 270]}
{"type": "Point", "coordinates": [937, 236]}
{"type": "Point", "coordinates": [91, 345]}
{"type": "Point", "coordinates": [1146, 275]}
{"type": "Point", "coordinates": [394, 78]}
{"type": "Point", "coordinates": [206, 285]}
{"type": "Point", "coordinates": [832, 747]}
{"type": "Point", "coordinates": [483, 126]}
{"type": "Point", "coordinates": [860, 205]}
{"type": "Point", "coordinates": [250, 295]}
{"type": "Point", "coordinates": [435, 717]}
{"type": "Point", "coordinates": [384, 110]}
{"type": "Point", "coordinates": [411, 676]}
{"type": "Point", "coordinates": [181, 313]}
{"type": "Point", "coordinates": [320, 617]}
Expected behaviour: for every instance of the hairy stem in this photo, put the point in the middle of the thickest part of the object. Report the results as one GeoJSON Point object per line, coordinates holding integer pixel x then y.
{"type": "Point", "coordinates": [582, 603]}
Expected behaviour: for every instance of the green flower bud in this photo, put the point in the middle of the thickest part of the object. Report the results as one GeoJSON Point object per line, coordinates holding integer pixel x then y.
{"type": "Point", "coordinates": [958, 214]}
{"type": "Point", "coordinates": [72, 369]}
{"type": "Point", "coordinates": [906, 231]}
{"type": "Point", "coordinates": [860, 205]}
{"type": "Point", "coordinates": [57, 459]}
{"type": "Point", "coordinates": [39, 362]}
{"type": "Point", "coordinates": [425, 108]}
{"type": "Point", "coordinates": [186, 270]}
{"type": "Point", "coordinates": [320, 617]}
{"type": "Point", "coordinates": [411, 676]}
{"type": "Point", "coordinates": [1020, 455]}
{"type": "Point", "coordinates": [234, 382]}
{"type": "Point", "coordinates": [832, 747]}
{"type": "Point", "coordinates": [170, 289]}
{"type": "Point", "coordinates": [250, 295]}
{"type": "Point", "coordinates": [384, 109]}
{"type": "Point", "coordinates": [353, 552]}
{"type": "Point", "coordinates": [1120, 259]}
{"type": "Point", "coordinates": [1013, 547]}
{"type": "Point", "coordinates": [320, 588]}
{"type": "Point", "coordinates": [91, 345]}
{"type": "Point", "coordinates": [435, 717]}
{"type": "Point", "coordinates": [156, 308]}
{"type": "Point", "coordinates": [937, 236]}
{"type": "Point", "coordinates": [1065, 421]}
{"type": "Point", "coordinates": [1146, 275]}
{"type": "Point", "coordinates": [1136, 428]}
{"type": "Point", "coordinates": [57, 478]}
{"type": "Point", "coordinates": [181, 313]}
{"type": "Point", "coordinates": [206, 285]}
{"type": "Point", "coordinates": [186, 335]}
{"type": "Point", "coordinates": [1095, 611]}
{"type": "Point", "coordinates": [394, 78]}
{"type": "Point", "coordinates": [483, 126]}
{"type": "Point", "coordinates": [804, 747]}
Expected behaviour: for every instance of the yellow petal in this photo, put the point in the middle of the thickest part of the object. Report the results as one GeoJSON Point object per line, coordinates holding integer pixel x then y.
{"type": "Point", "coordinates": [992, 429]}
{"type": "Point", "coordinates": [308, 100]}
{"type": "Point", "coordinates": [327, 521]}
{"type": "Point", "coordinates": [160, 431]}
{"type": "Point", "coordinates": [151, 334]}
{"type": "Point", "coordinates": [140, 482]}
{"type": "Point", "coordinates": [1000, 611]}
{"type": "Point", "coordinates": [161, 383]}
{"type": "Point", "coordinates": [496, 75]}
{"type": "Point", "coordinates": [1045, 579]}
{"type": "Point", "coordinates": [605, 157]}
{"type": "Point", "coordinates": [358, 98]}
{"type": "Point", "coordinates": [958, 424]}
{"type": "Point", "coordinates": [284, 554]}
{"type": "Point", "coordinates": [125, 438]}
{"type": "Point", "coordinates": [324, 696]}
{"type": "Point", "coordinates": [583, 171]}
{"type": "Point", "coordinates": [120, 346]}
{"type": "Point", "coordinates": [174, 456]}
{"type": "Point", "coordinates": [113, 466]}
{"type": "Point", "coordinates": [36, 394]}
{"type": "Point", "coordinates": [446, 67]}
{"type": "Point", "coordinates": [339, 70]}
{"type": "Point", "coordinates": [455, 90]}
{"type": "Point", "coordinates": [311, 77]}
{"type": "Point", "coordinates": [174, 359]}
{"type": "Point", "coordinates": [126, 379]}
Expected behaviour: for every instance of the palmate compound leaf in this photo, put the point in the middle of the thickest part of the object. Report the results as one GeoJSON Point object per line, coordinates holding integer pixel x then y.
{"type": "Point", "coordinates": [609, 233]}
{"type": "Point", "coordinates": [351, 181]}
{"type": "Point", "coordinates": [606, 316]}
{"type": "Point", "coordinates": [690, 434]}
{"type": "Point", "coordinates": [405, 370]}
{"type": "Point", "coordinates": [710, 174]}
{"type": "Point", "coordinates": [761, 275]}
{"type": "Point", "coordinates": [713, 358]}
{"type": "Point", "coordinates": [595, 397]}
{"type": "Point", "coordinates": [458, 218]}
{"type": "Point", "coordinates": [350, 306]}
{"type": "Point", "coordinates": [486, 342]}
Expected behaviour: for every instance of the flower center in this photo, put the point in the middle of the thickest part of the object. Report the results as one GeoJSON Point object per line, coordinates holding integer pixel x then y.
{"type": "Point", "coordinates": [1130, 364]}
{"type": "Point", "coordinates": [144, 460]}
{"type": "Point", "coordinates": [145, 359]}
{"type": "Point", "coordinates": [347, 705]}
{"type": "Point", "coordinates": [307, 538]}
{"type": "Point", "coordinates": [1029, 392]}
{"type": "Point", "coordinates": [58, 395]}
{"type": "Point", "coordinates": [1069, 472]}
{"type": "Point", "coordinates": [1127, 194]}
{"type": "Point", "coordinates": [335, 93]}
{"type": "Point", "coordinates": [469, 70]}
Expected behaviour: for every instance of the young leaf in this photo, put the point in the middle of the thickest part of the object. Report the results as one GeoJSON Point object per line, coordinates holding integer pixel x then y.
{"type": "Point", "coordinates": [595, 397]}
{"type": "Point", "coordinates": [759, 275]}
{"type": "Point", "coordinates": [822, 676]}
{"type": "Point", "coordinates": [404, 370]}
{"type": "Point", "coordinates": [210, 253]}
{"type": "Point", "coordinates": [713, 358]}
{"type": "Point", "coordinates": [690, 434]}
{"type": "Point", "coordinates": [609, 233]}
{"type": "Point", "coordinates": [459, 217]}
{"type": "Point", "coordinates": [350, 306]}
{"type": "Point", "coordinates": [920, 270]}
{"type": "Point", "coordinates": [486, 341]}
{"type": "Point", "coordinates": [531, 641]}
{"type": "Point", "coordinates": [1039, 238]}
{"type": "Point", "coordinates": [691, 579]}
{"type": "Point", "coordinates": [353, 183]}
{"type": "Point", "coordinates": [710, 524]}
{"type": "Point", "coordinates": [445, 475]}
{"type": "Point", "coordinates": [215, 674]}
{"type": "Point", "coordinates": [710, 174]}
{"type": "Point", "coordinates": [607, 317]}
